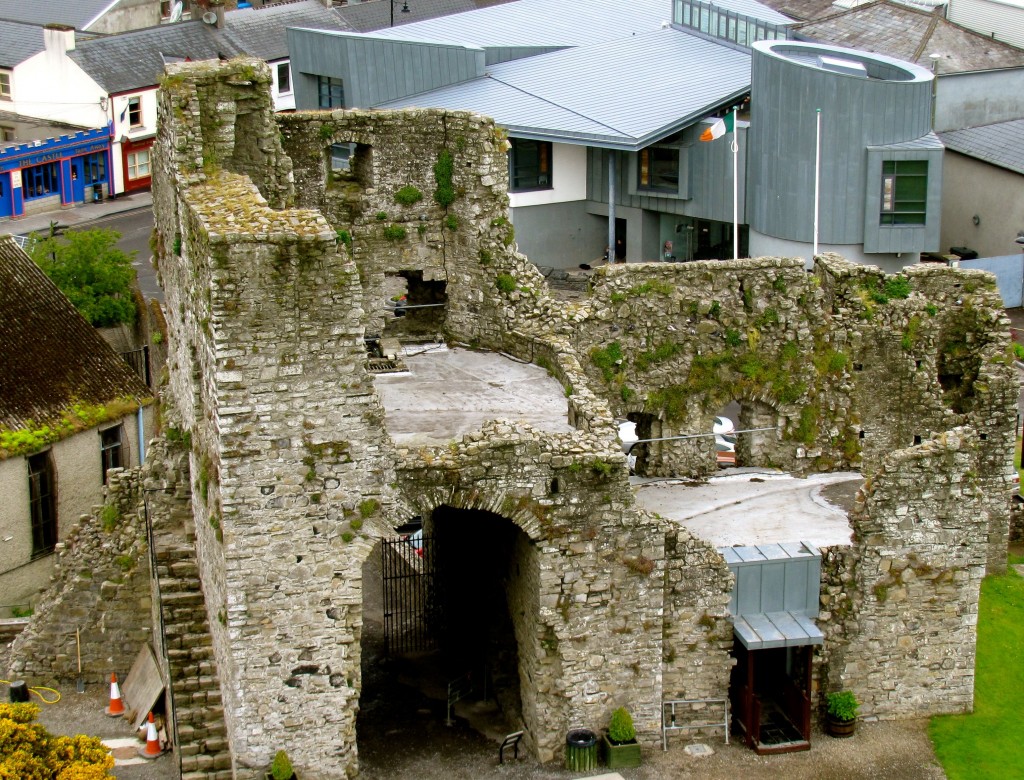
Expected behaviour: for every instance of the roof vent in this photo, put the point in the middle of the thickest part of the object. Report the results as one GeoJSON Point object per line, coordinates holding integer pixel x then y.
{"type": "Point", "coordinates": [847, 67]}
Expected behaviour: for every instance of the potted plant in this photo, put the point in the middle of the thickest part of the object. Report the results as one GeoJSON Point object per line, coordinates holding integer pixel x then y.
{"type": "Point", "coordinates": [621, 750]}
{"type": "Point", "coordinates": [281, 768]}
{"type": "Point", "coordinates": [841, 710]}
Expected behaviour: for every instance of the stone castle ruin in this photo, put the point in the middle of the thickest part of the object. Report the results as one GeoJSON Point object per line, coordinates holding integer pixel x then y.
{"type": "Point", "coordinates": [281, 241]}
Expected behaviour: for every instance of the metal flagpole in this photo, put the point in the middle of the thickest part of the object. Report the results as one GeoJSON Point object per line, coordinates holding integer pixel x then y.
{"type": "Point", "coordinates": [817, 178]}
{"type": "Point", "coordinates": [735, 188]}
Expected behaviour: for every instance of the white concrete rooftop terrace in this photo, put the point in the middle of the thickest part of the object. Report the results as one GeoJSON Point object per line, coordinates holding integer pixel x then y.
{"type": "Point", "coordinates": [449, 392]}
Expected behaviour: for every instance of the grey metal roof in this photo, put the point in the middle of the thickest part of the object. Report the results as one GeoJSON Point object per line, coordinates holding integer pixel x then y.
{"type": "Point", "coordinates": [659, 82]}
{"type": "Point", "coordinates": [776, 629]}
{"type": "Point", "coordinates": [76, 13]}
{"type": "Point", "coordinates": [886, 27]}
{"type": "Point", "coordinates": [1000, 144]}
{"type": "Point", "coordinates": [929, 141]}
{"type": "Point", "coordinates": [135, 60]}
{"type": "Point", "coordinates": [18, 42]}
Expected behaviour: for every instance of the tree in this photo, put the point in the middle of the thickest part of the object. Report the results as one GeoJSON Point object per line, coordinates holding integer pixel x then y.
{"type": "Point", "coordinates": [91, 271]}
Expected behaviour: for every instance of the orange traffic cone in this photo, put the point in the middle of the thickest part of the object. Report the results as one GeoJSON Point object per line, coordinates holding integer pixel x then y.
{"type": "Point", "coordinates": [152, 749]}
{"type": "Point", "coordinates": [116, 708]}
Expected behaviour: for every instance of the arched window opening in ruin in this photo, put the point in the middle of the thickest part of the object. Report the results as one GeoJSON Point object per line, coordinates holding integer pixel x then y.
{"type": "Point", "coordinates": [740, 438]}
{"type": "Point", "coordinates": [415, 308]}
{"type": "Point", "coordinates": [347, 163]}
{"type": "Point", "coordinates": [449, 606]}
{"type": "Point", "coordinates": [646, 426]}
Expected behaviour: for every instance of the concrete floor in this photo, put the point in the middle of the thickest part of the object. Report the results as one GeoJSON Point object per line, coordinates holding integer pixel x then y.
{"type": "Point", "coordinates": [450, 392]}
{"type": "Point", "coordinates": [750, 506]}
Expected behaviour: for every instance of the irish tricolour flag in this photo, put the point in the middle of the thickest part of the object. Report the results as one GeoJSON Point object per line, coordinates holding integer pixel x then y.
{"type": "Point", "coordinates": [719, 128]}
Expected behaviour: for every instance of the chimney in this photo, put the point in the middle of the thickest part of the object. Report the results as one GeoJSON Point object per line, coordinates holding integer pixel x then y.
{"type": "Point", "coordinates": [218, 8]}
{"type": "Point", "coordinates": [58, 38]}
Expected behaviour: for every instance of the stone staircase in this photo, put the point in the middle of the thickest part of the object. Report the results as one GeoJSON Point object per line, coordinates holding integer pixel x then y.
{"type": "Point", "coordinates": [202, 733]}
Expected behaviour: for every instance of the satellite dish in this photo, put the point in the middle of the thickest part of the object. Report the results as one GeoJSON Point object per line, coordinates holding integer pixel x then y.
{"type": "Point", "coordinates": [176, 11]}
{"type": "Point", "coordinates": [210, 17]}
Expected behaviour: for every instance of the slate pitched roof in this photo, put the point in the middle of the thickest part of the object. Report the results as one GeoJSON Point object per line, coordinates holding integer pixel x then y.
{"type": "Point", "coordinates": [1000, 144]}
{"type": "Point", "coordinates": [886, 27]}
{"type": "Point", "coordinates": [50, 357]}
{"type": "Point", "coordinates": [18, 42]}
{"type": "Point", "coordinates": [77, 13]}
{"type": "Point", "coordinates": [135, 60]}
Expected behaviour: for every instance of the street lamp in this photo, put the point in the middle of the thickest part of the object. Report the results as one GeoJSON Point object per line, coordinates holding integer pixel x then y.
{"type": "Point", "coordinates": [405, 9]}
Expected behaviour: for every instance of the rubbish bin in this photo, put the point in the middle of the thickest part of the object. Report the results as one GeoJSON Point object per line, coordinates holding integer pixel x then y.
{"type": "Point", "coordinates": [18, 692]}
{"type": "Point", "coordinates": [581, 750]}
{"type": "Point", "coordinates": [97, 193]}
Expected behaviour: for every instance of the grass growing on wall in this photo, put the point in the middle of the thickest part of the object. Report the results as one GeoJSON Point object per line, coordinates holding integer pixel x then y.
{"type": "Point", "coordinates": [985, 745]}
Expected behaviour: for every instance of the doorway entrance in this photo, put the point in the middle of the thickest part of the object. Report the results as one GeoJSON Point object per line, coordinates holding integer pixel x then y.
{"type": "Point", "coordinates": [770, 693]}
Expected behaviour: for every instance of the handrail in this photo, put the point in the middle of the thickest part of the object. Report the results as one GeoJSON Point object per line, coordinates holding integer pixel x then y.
{"type": "Point", "coordinates": [668, 708]}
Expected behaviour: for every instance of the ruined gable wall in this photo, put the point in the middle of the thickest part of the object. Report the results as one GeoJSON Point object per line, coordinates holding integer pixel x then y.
{"type": "Point", "coordinates": [909, 609]}
{"type": "Point", "coordinates": [595, 643]}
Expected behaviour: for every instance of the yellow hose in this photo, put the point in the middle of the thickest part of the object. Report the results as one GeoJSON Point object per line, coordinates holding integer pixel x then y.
{"type": "Point", "coordinates": [36, 690]}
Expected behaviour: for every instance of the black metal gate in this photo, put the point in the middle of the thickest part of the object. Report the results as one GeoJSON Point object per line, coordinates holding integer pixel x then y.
{"type": "Point", "coordinates": [411, 605]}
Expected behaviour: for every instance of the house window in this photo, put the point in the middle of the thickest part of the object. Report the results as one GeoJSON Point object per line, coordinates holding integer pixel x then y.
{"type": "Point", "coordinates": [111, 450]}
{"type": "Point", "coordinates": [331, 92]}
{"type": "Point", "coordinates": [42, 504]}
{"type": "Point", "coordinates": [95, 167]}
{"type": "Point", "coordinates": [904, 192]}
{"type": "Point", "coordinates": [658, 169]}
{"type": "Point", "coordinates": [529, 166]}
{"type": "Point", "coordinates": [138, 164]}
{"type": "Point", "coordinates": [5, 85]}
{"type": "Point", "coordinates": [40, 180]}
{"type": "Point", "coordinates": [284, 78]}
{"type": "Point", "coordinates": [6, 134]}
{"type": "Point", "coordinates": [135, 111]}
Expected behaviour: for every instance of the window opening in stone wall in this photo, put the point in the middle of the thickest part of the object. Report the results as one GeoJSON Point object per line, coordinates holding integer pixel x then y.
{"type": "Point", "coordinates": [111, 450]}
{"type": "Point", "coordinates": [415, 307]}
{"type": "Point", "coordinates": [724, 429]}
{"type": "Point", "coordinates": [42, 503]}
{"type": "Point", "coordinates": [348, 165]}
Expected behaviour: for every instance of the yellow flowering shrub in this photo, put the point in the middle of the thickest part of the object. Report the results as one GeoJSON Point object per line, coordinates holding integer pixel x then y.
{"type": "Point", "coordinates": [29, 752]}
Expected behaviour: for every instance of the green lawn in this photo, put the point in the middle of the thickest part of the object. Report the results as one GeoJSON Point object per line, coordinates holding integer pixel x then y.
{"type": "Point", "coordinates": [989, 743]}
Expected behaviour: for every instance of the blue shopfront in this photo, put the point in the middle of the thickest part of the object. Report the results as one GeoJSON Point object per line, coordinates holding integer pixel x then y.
{"type": "Point", "coordinates": [58, 172]}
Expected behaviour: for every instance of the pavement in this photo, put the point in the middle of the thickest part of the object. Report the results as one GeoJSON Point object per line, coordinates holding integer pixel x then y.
{"type": "Point", "coordinates": [82, 213]}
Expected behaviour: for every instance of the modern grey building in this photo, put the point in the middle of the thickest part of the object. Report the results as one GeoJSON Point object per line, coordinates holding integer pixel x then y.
{"type": "Point", "coordinates": [604, 115]}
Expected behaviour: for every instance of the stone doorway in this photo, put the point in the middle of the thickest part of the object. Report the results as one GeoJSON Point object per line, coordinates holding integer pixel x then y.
{"type": "Point", "coordinates": [483, 603]}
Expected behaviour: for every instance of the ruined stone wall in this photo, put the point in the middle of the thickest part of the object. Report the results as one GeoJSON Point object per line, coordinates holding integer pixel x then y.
{"type": "Point", "coordinates": [594, 643]}
{"type": "Point", "coordinates": [910, 603]}
{"type": "Point", "coordinates": [101, 588]}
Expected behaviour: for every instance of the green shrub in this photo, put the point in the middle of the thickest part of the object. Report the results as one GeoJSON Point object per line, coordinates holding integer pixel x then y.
{"type": "Point", "coordinates": [345, 238]}
{"type": "Point", "coordinates": [281, 767]}
{"type": "Point", "coordinates": [505, 282]}
{"type": "Point", "coordinates": [381, 216]}
{"type": "Point", "coordinates": [451, 222]}
{"type": "Point", "coordinates": [408, 195]}
{"type": "Point", "coordinates": [620, 727]}
{"type": "Point", "coordinates": [842, 705]}
{"type": "Point", "coordinates": [394, 232]}
{"type": "Point", "coordinates": [109, 517]}
{"type": "Point", "coordinates": [897, 287]}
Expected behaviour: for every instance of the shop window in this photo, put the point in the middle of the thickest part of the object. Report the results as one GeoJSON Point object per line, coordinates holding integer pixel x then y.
{"type": "Point", "coordinates": [5, 85]}
{"type": "Point", "coordinates": [284, 78]}
{"type": "Point", "coordinates": [95, 168]}
{"type": "Point", "coordinates": [135, 111]}
{"type": "Point", "coordinates": [658, 169]}
{"type": "Point", "coordinates": [330, 92]}
{"type": "Point", "coordinates": [904, 192]}
{"type": "Point", "coordinates": [529, 165]}
{"type": "Point", "coordinates": [41, 180]}
{"type": "Point", "coordinates": [42, 504]}
{"type": "Point", "coordinates": [111, 450]}
{"type": "Point", "coordinates": [138, 164]}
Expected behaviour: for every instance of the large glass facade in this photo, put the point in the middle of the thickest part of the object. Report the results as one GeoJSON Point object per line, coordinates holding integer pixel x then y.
{"type": "Point", "coordinates": [727, 25]}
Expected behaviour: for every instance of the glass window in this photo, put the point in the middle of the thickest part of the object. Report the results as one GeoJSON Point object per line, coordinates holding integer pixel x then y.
{"type": "Point", "coordinates": [6, 133]}
{"type": "Point", "coordinates": [135, 111]}
{"type": "Point", "coordinates": [138, 164]}
{"type": "Point", "coordinates": [658, 169]}
{"type": "Point", "coordinates": [42, 504]}
{"type": "Point", "coordinates": [40, 180]}
{"type": "Point", "coordinates": [529, 165]}
{"type": "Point", "coordinates": [341, 156]}
{"type": "Point", "coordinates": [284, 78]}
{"type": "Point", "coordinates": [331, 92]}
{"type": "Point", "coordinates": [111, 450]}
{"type": "Point", "coordinates": [5, 85]}
{"type": "Point", "coordinates": [904, 192]}
{"type": "Point", "coordinates": [95, 167]}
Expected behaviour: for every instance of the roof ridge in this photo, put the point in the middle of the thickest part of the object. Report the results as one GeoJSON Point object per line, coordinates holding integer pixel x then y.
{"type": "Point", "coordinates": [919, 51]}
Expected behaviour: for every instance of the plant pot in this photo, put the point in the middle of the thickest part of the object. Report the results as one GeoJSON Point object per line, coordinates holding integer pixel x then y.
{"type": "Point", "coordinates": [840, 729]}
{"type": "Point", "coordinates": [621, 756]}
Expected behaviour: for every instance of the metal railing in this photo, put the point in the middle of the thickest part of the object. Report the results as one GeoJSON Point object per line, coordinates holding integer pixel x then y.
{"type": "Point", "coordinates": [669, 715]}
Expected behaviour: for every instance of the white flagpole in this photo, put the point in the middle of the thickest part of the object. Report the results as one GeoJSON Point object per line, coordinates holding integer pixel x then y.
{"type": "Point", "coordinates": [735, 189]}
{"type": "Point", "coordinates": [817, 178]}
